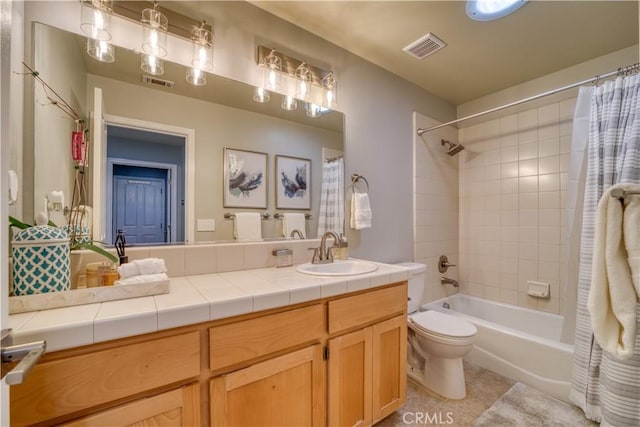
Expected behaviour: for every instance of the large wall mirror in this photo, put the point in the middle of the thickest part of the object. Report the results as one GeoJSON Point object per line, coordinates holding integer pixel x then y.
{"type": "Point", "coordinates": [165, 140]}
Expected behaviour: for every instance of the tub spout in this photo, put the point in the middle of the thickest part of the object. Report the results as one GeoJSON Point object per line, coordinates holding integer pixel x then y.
{"type": "Point", "coordinates": [447, 281]}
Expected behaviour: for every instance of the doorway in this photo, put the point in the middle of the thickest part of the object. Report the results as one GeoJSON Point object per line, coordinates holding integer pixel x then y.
{"type": "Point", "coordinates": [145, 185]}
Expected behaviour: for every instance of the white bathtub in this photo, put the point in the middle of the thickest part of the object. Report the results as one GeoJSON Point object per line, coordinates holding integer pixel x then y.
{"type": "Point", "coordinates": [515, 342]}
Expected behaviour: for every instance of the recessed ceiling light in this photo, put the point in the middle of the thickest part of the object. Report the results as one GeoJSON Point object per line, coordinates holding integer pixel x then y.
{"type": "Point", "coordinates": [487, 10]}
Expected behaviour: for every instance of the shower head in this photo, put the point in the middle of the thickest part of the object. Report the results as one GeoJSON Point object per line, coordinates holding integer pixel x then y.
{"type": "Point", "coordinates": [454, 148]}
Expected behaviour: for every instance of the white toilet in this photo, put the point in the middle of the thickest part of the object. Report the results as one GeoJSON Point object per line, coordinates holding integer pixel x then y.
{"type": "Point", "coordinates": [437, 342]}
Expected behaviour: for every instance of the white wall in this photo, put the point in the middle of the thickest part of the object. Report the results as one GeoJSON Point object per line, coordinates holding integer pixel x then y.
{"type": "Point", "coordinates": [378, 107]}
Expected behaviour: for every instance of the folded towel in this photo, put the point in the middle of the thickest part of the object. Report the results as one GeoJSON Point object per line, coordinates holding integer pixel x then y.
{"type": "Point", "coordinates": [612, 297]}
{"type": "Point", "coordinates": [129, 269]}
{"type": "Point", "coordinates": [247, 226]}
{"type": "Point", "coordinates": [631, 232]}
{"type": "Point", "coordinates": [145, 278]}
{"type": "Point", "coordinates": [293, 221]}
{"type": "Point", "coordinates": [360, 211]}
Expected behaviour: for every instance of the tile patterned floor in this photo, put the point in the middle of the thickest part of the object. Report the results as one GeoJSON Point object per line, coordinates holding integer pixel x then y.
{"type": "Point", "coordinates": [424, 408]}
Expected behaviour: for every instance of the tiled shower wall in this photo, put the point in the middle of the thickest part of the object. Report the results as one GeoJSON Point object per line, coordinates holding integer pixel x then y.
{"type": "Point", "coordinates": [513, 178]}
{"type": "Point", "coordinates": [435, 206]}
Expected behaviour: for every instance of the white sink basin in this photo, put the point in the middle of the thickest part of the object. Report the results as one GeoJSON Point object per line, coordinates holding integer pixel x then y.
{"type": "Point", "coordinates": [348, 267]}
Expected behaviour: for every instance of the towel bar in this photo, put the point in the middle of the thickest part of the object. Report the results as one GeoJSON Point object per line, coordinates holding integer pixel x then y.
{"type": "Point", "coordinates": [265, 215]}
{"type": "Point", "coordinates": [278, 215]}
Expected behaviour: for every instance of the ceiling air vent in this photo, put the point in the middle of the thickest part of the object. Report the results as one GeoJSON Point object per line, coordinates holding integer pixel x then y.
{"type": "Point", "coordinates": [424, 46]}
{"type": "Point", "coordinates": [157, 81]}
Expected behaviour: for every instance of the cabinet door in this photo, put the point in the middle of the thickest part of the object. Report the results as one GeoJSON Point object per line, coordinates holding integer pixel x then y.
{"type": "Point", "coordinates": [284, 391]}
{"type": "Point", "coordinates": [350, 367]}
{"type": "Point", "coordinates": [176, 408]}
{"type": "Point", "coordinates": [389, 366]}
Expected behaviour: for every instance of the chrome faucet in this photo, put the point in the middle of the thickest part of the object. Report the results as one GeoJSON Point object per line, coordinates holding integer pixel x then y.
{"type": "Point", "coordinates": [447, 281]}
{"type": "Point", "coordinates": [323, 254]}
{"type": "Point", "coordinates": [298, 232]}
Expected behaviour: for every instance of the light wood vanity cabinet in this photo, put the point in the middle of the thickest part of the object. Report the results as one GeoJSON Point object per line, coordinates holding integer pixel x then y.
{"type": "Point", "coordinates": [266, 368]}
{"type": "Point", "coordinates": [367, 367]}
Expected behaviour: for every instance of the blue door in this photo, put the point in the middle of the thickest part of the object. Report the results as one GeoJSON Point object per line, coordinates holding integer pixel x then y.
{"type": "Point", "coordinates": [140, 209]}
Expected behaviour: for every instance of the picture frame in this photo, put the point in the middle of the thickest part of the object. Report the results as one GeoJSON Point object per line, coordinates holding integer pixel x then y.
{"type": "Point", "coordinates": [292, 182]}
{"type": "Point", "coordinates": [245, 179]}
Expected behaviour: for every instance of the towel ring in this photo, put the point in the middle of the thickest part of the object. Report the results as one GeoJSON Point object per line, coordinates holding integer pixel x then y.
{"type": "Point", "coordinates": [354, 180]}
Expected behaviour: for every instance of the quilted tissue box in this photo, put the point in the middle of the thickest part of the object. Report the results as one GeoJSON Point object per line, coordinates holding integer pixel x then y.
{"type": "Point", "coordinates": [40, 260]}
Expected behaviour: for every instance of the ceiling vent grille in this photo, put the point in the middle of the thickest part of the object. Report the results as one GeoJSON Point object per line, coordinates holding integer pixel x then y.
{"type": "Point", "coordinates": [424, 46]}
{"type": "Point", "coordinates": [156, 81]}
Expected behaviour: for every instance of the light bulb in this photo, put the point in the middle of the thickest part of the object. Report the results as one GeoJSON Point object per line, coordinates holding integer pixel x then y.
{"type": "Point", "coordinates": [260, 95]}
{"type": "Point", "coordinates": [196, 76]}
{"type": "Point", "coordinates": [289, 103]}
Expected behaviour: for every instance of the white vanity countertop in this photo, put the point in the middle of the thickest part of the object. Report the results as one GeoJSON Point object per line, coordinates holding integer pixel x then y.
{"type": "Point", "coordinates": [191, 300]}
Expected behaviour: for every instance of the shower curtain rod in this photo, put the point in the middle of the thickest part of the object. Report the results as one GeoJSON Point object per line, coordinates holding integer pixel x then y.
{"type": "Point", "coordinates": [595, 80]}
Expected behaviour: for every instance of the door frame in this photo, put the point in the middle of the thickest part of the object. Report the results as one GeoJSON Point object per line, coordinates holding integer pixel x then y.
{"type": "Point", "coordinates": [171, 194]}
{"type": "Point", "coordinates": [189, 166]}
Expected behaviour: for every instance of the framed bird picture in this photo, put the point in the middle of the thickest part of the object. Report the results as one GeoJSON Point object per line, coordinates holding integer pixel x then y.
{"type": "Point", "coordinates": [293, 183]}
{"type": "Point", "coordinates": [245, 177]}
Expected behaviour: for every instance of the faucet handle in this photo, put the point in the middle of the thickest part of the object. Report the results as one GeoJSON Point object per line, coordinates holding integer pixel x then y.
{"type": "Point", "coordinates": [314, 259]}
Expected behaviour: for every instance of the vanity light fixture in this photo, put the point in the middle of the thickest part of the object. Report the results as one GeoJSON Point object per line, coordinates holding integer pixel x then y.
{"type": "Point", "coordinates": [154, 32]}
{"type": "Point", "coordinates": [312, 110]}
{"type": "Point", "coordinates": [303, 80]}
{"type": "Point", "coordinates": [152, 65]}
{"type": "Point", "coordinates": [272, 77]}
{"type": "Point", "coordinates": [289, 103]}
{"type": "Point", "coordinates": [330, 86]}
{"type": "Point", "coordinates": [260, 95]}
{"type": "Point", "coordinates": [202, 59]}
{"type": "Point", "coordinates": [100, 50]}
{"type": "Point", "coordinates": [96, 18]}
{"type": "Point", "coordinates": [296, 80]}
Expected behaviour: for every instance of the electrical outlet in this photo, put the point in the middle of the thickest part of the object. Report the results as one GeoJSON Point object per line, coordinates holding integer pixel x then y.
{"type": "Point", "coordinates": [207, 224]}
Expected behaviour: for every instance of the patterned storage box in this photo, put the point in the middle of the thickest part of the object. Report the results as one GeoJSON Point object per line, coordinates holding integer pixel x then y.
{"type": "Point", "coordinates": [40, 260]}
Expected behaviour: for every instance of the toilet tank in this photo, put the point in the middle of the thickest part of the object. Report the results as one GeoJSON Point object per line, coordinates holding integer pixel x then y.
{"type": "Point", "coordinates": [416, 284]}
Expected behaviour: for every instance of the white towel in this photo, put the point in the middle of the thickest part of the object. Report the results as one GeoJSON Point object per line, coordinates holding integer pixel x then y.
{"type": "Point", "coordinates": [612, 297]}
{"type": "Point", "coordinates": [145, 278]}
{"type": "Point", "coordinates": [247, 226]}
{"type": "Point", "coordinates": [360, 211]}
{"type": "Point", "coordinates": [142, 267]}
{"type": "Point", "coordinates": [293, 221]}
{"type": "Point", "coordinates": [631, 232]}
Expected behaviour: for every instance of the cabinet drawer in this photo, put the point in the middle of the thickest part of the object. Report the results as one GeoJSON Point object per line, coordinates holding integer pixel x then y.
{"type": "Point", "coordinates": [65, 386]}
{"type": "Point", "coordinates": [350, 312]}
{"type": "Point", "coordinates": [249, 339]}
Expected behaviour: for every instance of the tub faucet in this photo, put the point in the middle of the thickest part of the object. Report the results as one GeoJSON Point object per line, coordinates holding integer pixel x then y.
{"type": "Point", "coordinates": [447, 281]}
{"type": "Point", "coordinates": [323, 254]}
{"type": "Point", "coordinates": [298, 232]}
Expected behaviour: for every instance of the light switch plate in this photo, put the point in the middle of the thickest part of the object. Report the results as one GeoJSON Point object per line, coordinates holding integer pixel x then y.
{"type": "Point", "coordinates": [207, 224]}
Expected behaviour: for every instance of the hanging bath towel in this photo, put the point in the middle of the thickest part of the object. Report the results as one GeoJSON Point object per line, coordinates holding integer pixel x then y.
{"type": "Point", "coordinates": [247, 226]}
{"type": "Point", "coordinates": [360, 211]}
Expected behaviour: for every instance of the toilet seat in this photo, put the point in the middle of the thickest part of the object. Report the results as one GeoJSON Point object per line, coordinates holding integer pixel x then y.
{"type": "Point", "coordinates": [442, 324]}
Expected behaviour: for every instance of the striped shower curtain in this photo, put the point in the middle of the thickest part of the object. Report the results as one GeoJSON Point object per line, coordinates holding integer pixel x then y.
{"type": "Point", "coordinates": [607, 389]}
{"type": "Point", "coordinates": [331, 214]}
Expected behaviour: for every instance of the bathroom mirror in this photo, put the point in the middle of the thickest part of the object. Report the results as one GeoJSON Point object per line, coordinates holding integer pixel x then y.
{"type": "Point", "coordinates": [149, 123]}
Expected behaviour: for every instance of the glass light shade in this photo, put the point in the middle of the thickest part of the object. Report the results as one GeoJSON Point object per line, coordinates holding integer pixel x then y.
{"type": "Point", "coordinates": [487, 10]}
{"type": "Point", "coordinates": [202, 49]}
{"type": "Point", "coordinates": [312, 110]}
{"type": "Point", "coordinates": [152, 65]}
{"type": "Point", "coordinates": [260, 95]}
{"type": "Point", "coordinates": [330, 88]}
{"type": "Point", "coordinates": [196, 77]}
{"type": "Point", "coordinates": [96, 18]}
{"type": "Point", "coordinates": [272, 72]}
{"type": "Point", "coordinates": [154, 33]}
{"type": "Point", "coordinates": [303, 81]}
{"type": "Point", "coordinates": [289, 103]}
{"type": "Point", "coordinates": [100, 50]}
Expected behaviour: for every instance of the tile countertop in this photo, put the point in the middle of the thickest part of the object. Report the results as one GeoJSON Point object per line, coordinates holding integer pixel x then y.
{"type": "Point", "coordinates": [191, 300]}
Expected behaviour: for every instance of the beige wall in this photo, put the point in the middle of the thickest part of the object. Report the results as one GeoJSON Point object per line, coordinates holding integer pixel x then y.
{"type": "Point", "coordinates": [218, 126]}
{"type": "Point", "coordinates": [61, 66]}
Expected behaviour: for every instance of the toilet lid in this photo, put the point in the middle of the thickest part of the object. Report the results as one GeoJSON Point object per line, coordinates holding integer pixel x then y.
{"type": "Point", "coordinates": [433, 321]}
